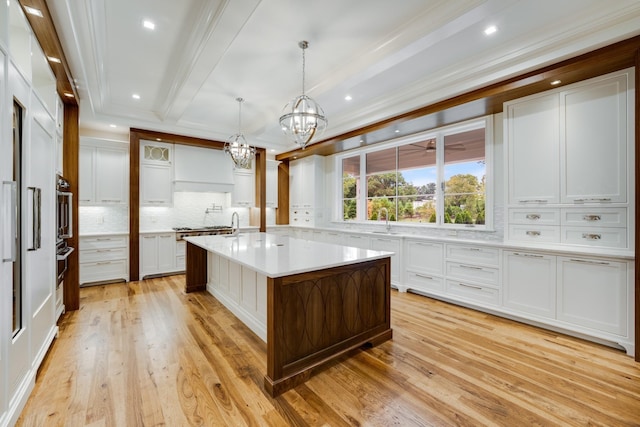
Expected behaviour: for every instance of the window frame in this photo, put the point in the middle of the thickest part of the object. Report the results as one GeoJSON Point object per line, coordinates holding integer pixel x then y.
{"type": "Point", "coordinates": [439, 134]}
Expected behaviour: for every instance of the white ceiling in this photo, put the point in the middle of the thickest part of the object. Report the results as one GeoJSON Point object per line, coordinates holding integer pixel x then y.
{"type": "Point", "coordinates": [390, 56]}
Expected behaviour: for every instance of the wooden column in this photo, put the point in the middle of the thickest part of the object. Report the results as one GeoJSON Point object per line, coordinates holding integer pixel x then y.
{"type": "Point", "coordinates": [261, 187]}
{"type": "Point", "coordinates": [71, 148]}
{"type": "Point", "coordinates": [282, 213]}
{"type": "Point", "coordinates": [637, 214]}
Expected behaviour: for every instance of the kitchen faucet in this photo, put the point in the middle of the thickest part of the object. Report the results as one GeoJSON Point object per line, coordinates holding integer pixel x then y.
{"type": "Point", "coordinates": [234, 231]}
{"type": "Point", "coordinates": [386, 218]}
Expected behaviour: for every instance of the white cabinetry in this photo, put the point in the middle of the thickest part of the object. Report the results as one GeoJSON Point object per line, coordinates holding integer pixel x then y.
{"type": "Point", "coordinates": [181, 252]}
{"type": "Point", "coordinates": [156, 173]}
{"type": "Point", "coordinates": [202, 169]}
{"type": "Point", "coordinates": [424, 266]}
{"type": "Point", "coordinates": [104, 259]}
{"type": "Point", "coordinates": [594, 294]}
{"type": "Point", "coordinates": [473, 273]}
{"type": "Point", "coordinates": [306, 191]}
{"type": "Point", "coordinates": [157, 253]}
{"type": "Point", "coordinates": [272, 183]}
{"type": "Point", "coordinates": [530, 283]}
{"type": "Point", "coordinates": [244, 189]}
{"type": "Point", "coordinates": [391, 244]}
{"type": "Point", "coordinates": [104, 172]}
{"type": "Point", "coordinates": [570, 153]}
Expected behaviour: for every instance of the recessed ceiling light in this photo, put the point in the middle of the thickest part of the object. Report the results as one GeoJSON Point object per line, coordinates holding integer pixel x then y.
{"type": "Point", "coordinates": [149, 25]}
{"type": "Point", "coordinates": [135, 96]}
{"type": "Point", "coordinates": [490, 30]}
{"type": "Point", "coordinates": [272, 150]}
{"type": "Point", "coordinates": [397, 130]}
{"type": "Point", "coordinates": [556, 82]}
{"type": "Point", "coordinates": [69, 95]}
{"type": "Point", "coordinates": [112, 126]}
{"type": "Point", "coordinates": [158, 139]}
{"type": "Point", "coordinates": [54, 59]}
{"type": "Point", "coordinates": [33, 11]}
{"type": "Point", "coordinates": [348, 98]}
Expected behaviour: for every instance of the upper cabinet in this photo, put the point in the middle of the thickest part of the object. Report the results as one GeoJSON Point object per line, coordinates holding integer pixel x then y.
{"type": "Point", "coordinates": [569, 156]}
{"type": "Point", "coordinates": [306, 191]}
{"type": "Point", "coordinates": [244, 189]}
{"type": "Point", "coordinates": [272, 184]}
{"type": "Point", "coordinates": [156, 173]}
{"type": "Point", "coordinates": [104, 172]}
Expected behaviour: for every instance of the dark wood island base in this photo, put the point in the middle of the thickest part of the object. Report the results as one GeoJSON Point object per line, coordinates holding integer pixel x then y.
{"type": "Point", "coordinates": [317, 316]}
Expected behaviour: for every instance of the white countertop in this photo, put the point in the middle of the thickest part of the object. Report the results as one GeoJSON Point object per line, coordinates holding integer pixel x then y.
{"type": "Point", "coordinates": [278, 256]}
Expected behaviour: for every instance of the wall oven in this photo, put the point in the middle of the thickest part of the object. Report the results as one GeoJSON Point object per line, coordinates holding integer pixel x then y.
{"type": "Point", "coordinates": [64, 212]}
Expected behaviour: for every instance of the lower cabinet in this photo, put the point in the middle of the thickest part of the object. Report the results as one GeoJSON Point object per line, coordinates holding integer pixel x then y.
{"type": "Point", "coordinates": [530, 283]}
{"type": "Point", "coordinates": [157, 254]}
{"type": "Point", "coordinates": [391, 244]}
{"type": "Point", "coordinates": [103, 259]}
{"type": "Point", "coordinates": [181, 251]}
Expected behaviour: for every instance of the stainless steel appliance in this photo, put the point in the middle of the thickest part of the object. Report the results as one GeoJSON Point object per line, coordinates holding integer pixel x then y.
{"type": "Point", "coordinates": [62, 254]}
{"type": "Point", "coordinates": [64, 211]}
{"type": "Point", "coordinates": [201, 231]}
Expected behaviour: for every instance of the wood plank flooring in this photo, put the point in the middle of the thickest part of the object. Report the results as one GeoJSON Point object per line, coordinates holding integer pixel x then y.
{"type": "Point", "coordinates": [147, 354]}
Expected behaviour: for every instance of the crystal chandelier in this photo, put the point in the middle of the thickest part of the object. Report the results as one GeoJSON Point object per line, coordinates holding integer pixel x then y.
{"type": "Point", "coordinates": [237, 147]}
{"type": "Point", "coordinates": [303, 119]}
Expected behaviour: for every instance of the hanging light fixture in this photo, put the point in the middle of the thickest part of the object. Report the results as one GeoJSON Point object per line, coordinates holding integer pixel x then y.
{"type": "Point", "coordinates": [303, 118]}
{"type": "Point", "coordinates": [237, 147]}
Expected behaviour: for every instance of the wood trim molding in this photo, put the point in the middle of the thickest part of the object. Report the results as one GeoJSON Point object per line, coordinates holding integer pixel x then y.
{"type": "Point", "coordinates": [636, 280]}
{"type": "Point", "coordinates": [70, 170]}
{"type": "Point", "coordinates": [282, 213]}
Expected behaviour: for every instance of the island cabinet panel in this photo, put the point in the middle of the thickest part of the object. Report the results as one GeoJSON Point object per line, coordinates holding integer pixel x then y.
{"type": "Point", "coordinates": [317, 316]}
{"type": "Point", "coordinates": [196, 273]}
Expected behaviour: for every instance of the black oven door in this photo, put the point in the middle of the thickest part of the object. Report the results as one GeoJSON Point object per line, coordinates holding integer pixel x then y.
{"type": "Point", "coordinates": [61, 257]}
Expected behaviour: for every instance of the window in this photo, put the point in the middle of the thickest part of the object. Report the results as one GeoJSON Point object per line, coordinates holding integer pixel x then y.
{"type": "Point", "coordinates": [437, 179]}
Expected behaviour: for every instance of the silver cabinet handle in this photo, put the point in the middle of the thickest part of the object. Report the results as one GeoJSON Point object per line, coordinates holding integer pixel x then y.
{"type": "Point", "coordinates": [534, 201]}
{"type": "Point", "coordinates": [528, 255]}
{"type": "Point", "coordinates": [584, 261]}
{"type": "Point", "coordinates": [533, 217]}
{"type": "Point", "coordinates": [479, 288]}
{"type": "Point", "coordinates": [36, 221]}
{"type": "Point", "coordinates": [533, 233]}
{"type": "Point", "coordinates": [591, 217]}
{"type": "Point", "coordinates": [591, 236]}
{"type": "Point", "coordinates": [593, 199]}
{"type": "Point", "coordinates": [470, 267]}
{"type": "Point", "coordinates": [423, 276]}
{"type": "Point", "coordinates": [12, 236]}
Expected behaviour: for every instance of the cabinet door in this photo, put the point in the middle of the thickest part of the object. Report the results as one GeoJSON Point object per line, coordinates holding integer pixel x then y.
{"type": "Point", "coordinates": [593, 293]}
{"type": "Point", "coordinates": [148, 254]}
{"type": "Point", "coordinates": [272, 184]}
{"type": "Point", "coordinates": [244, 193]}
{"type": "Point", "coordinates": [532, 135]}
{"type": "Point", "coordinates": [156, 184]}
{"type": "Point", "coordinates": [595, 141]}
{"type": "Point", "coordinates": [166, 252]}
{"type": "Point", "coordinates": [296, 183]}
{"type": "Point", "coordinates": [112, 175]}
{"type": "Point", "coordinates": [392, 245]}
{"type": "Point", "coordinates": [87, 182]}
{"type": "Point", "coordinates": [530, 283]}
{"type": "Point", "coordinates": [424, 257]}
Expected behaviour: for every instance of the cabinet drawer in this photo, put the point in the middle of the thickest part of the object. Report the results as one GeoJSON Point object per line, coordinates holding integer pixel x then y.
{"type": "Point", "coordinates": [534, 216]}
{"type": "Point", "coordinates": [598, 217]}
{"type": "Point", "coordinates": [474, 293]}
{"type": "Point", "coordinates": [103, 242]}
{"type": "Point", "coordinates": [102, 271]}
{"type": "Point", "coordinates": [487, 275]}
{"type": "Point", "coordinates": [473, 254]}
{"type": "Point", "coordinates": [97, 255]}
{"type": "Point", "coordinates": [535, 233]}
{"type": "Point", "coordinates": [180, 263]}
{"type": "Point", "coordinates": [426, 282]}
{"type": "Point", "coordinates": [600, 237]}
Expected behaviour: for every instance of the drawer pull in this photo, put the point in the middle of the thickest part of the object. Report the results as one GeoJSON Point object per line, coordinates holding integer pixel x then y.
{"type": "Point", "coordinates": [478, 288]}
{"type": "Point", "coordinates": [584, 261]}
{"type": "Point", "coordinates": [103, 262]}
{"type": "Point", "coordinates": [103, 239]}
{"type": "Point", "coordinates": [591, 236]}
{"type": "Point", "coordinates": [591, 217]}
{"type": "Point", "coordinates": [533, 217]}
{"type": "Point", "coordinates": [533, 233]}
{"type": "Point", "coordinates": [423, 276]}
{"type": "Point", "coordinates": [528, 255]}
{"type": "Point", "coordinates": [595, 199]}
{"type": "Point", "coordinates": [534, 201]}
{"type": "Point", "coordinates": [470, 267]}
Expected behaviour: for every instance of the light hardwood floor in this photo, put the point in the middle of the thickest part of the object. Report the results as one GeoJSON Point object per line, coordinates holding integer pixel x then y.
{"type": "Point", "coordinates": [146, 354]}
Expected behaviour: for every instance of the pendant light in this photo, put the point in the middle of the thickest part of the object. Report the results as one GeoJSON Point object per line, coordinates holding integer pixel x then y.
{"type": "Point", "coordinates": [303, 118]}
{"type": "Point", "coordinates": [237, 147]}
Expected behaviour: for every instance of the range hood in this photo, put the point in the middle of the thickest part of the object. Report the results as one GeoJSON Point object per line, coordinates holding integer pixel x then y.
{"type": "Point", "coordinates": [199, 169]}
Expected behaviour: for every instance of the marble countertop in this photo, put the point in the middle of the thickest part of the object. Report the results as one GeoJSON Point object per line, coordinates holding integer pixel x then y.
{"type": "Point", "coordinates": [278, 256]}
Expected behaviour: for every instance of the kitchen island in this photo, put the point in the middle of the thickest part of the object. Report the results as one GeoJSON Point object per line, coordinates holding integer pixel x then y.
{"type": "Point", "coordinates": [310, 302]}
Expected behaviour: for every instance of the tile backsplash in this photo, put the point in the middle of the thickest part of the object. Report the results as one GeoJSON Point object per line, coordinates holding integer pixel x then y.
{"type": "Point", "coordinates": [188, 210]}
